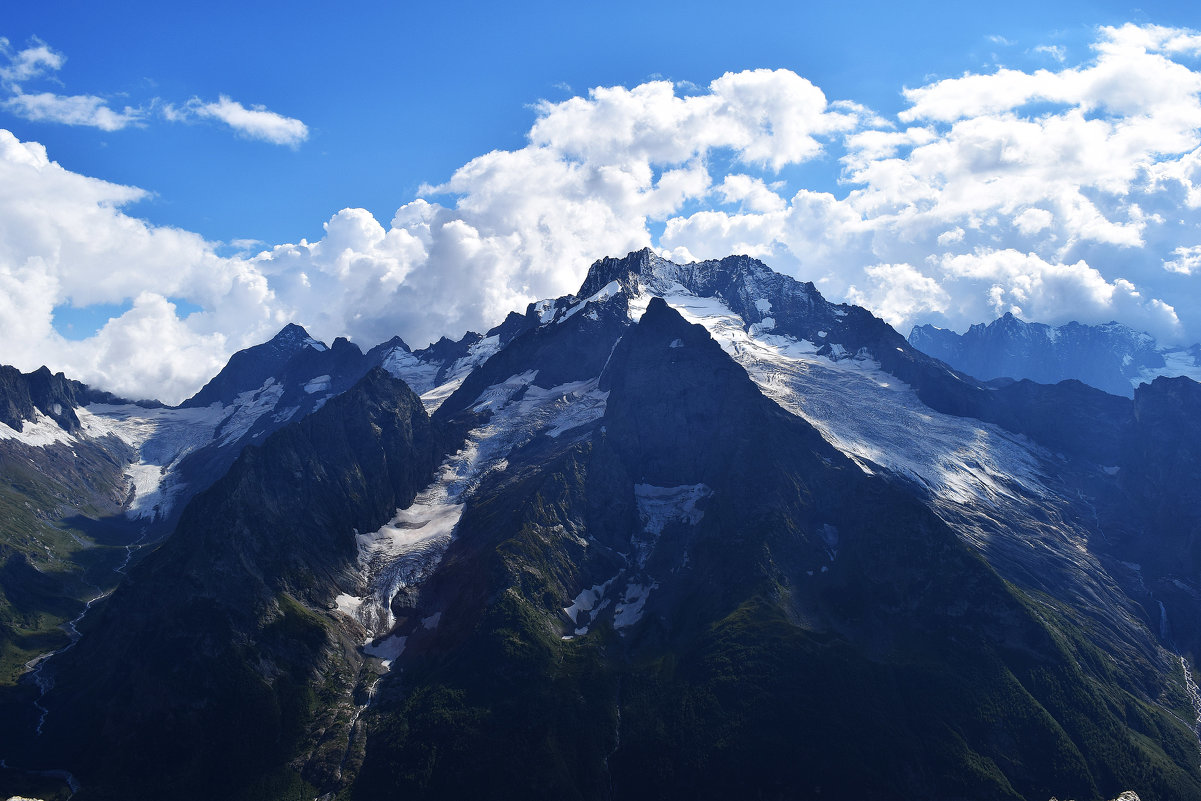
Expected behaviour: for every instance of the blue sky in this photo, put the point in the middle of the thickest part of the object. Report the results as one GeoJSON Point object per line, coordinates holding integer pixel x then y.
{"type": "Point", "coordinates": [229, 130]}
{"type": "Point", "coordinates": [400, 94]}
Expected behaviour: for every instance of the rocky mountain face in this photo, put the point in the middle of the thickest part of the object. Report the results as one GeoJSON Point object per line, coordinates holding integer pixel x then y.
{"type": "Point", "coordinates": [217, 633]}
{"type": "Point", "coordinates": [1157, 506]}
{"type": "Point", "coordinates": [692, 532]}
{"type": "Point", "coordinates": [31, 397]}
{"type": "Point", "coordinates": [1111, 357]}
{"type": "Point", "coordinates": [57, 487]}
{"type": "Point", "coordinates": [89, 481]}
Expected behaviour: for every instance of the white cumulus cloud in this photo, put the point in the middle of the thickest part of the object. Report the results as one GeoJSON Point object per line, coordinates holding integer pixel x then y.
{"type": "Point", "coordinates": [1066, 193]}
{"type": "Point", "coordinates": [256, 122]}
{"type": "Point", "coordinates": [1185, 260]}
{"type": "Point", "coordinates": [899, 292]}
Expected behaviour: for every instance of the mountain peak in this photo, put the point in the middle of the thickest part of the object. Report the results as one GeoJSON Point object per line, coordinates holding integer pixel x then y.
{"type": "Point", "coordinates": [703, 277]}
{"type": "Point", "coordinates": [622, 270]}
{"type": "Point", "coordinates": [293, 336]}
{"type": "Point", "coordinates": [52, 394]}
{"type": "Point", "coordinates": [249, 368]}
{"type": "Point", "coordinates": [391, 344]}
{"type": "Point", "coordinates": [291, 331]}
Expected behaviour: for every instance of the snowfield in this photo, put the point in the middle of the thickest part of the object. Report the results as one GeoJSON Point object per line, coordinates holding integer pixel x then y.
{"type": "Point", "coordinates": [422, 376]}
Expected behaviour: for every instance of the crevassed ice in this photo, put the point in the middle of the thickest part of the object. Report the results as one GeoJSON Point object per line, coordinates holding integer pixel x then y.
{"type": "Point", "coordinates": [408, 548]}
{"type": "Point", "coordinates": [161, 438]}
{"type": "Point", "coordinates": [981, 479]}
{"type": "Point", "coordinates": [408, 368]}
{"type": "Point", "coordinates": [870, 414]}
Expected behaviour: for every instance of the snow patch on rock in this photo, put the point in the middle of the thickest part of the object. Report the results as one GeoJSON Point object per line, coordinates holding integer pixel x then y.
{"type": "Point", "coordinates": [388, 649]}
{"type": "Point", "coordinates": [39, 432]}
{"type": "Point", "coordinates": [587, 600]}
{"type": "Point", "coordinates": [658, 506]}
{"type": "Point", "coordinates": [318, 384]}
{"type": "Point", "coordinates": [248, 407]}
{"type": "Point", "coordinates": [629, 610]}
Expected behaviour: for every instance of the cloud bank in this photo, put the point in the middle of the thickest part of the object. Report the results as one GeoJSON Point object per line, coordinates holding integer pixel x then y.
{"type": "Point", "coordinates": [1058, 194]}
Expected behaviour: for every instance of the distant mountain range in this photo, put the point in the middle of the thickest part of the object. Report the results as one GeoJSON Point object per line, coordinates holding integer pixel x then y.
{"type": "Point", "coordinates": [692, 532]}
{"type": "Point", "coordinates": [1112, 357]}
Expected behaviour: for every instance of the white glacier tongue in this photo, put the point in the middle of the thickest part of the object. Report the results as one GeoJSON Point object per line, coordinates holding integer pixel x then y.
{"type": "Point", "coordinates": [161, 438]}
{"type": "Point", "coordinates": [403, 553]}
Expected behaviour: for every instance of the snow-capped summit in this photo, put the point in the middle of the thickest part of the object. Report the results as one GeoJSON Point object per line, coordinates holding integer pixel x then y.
{"type": "Point", "coordinates": [248, 369]}
{"type": "Point", "coordinates": [759, 296]}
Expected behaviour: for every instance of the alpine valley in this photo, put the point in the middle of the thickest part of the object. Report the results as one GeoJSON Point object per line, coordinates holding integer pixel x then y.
{"type": "Point", "coordinates": [691, 533]}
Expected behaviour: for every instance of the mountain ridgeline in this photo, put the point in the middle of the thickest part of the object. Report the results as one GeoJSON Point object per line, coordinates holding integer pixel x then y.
{"type": "Point", "coordinates": [693, 532]}
{"type": "Point", "coordinates": [1112, 357]}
